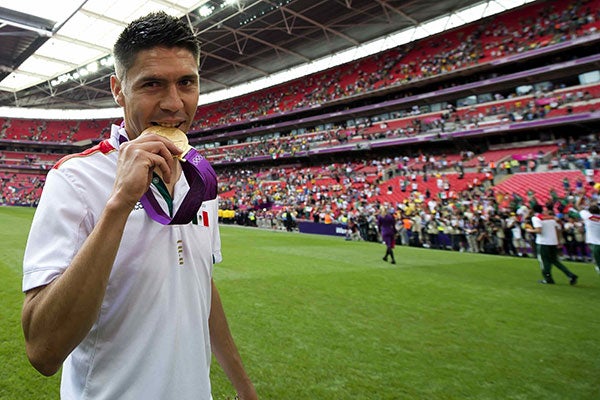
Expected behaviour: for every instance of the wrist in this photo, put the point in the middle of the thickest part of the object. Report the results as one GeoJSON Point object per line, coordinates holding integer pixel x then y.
{"type": "Point", "coordinates": [118, 209]}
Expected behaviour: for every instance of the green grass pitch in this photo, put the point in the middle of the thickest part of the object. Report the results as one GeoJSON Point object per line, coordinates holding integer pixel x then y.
{"type": "Point", "coordinates": [321, 318]}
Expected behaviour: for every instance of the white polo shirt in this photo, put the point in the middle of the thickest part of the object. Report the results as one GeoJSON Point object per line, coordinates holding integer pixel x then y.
{"type": "Point", "coordinates": [548, 236]}
{"type": "Point", "coordinates": [592, 226]}
{"type": "Point", "coordinates": [151, 339]}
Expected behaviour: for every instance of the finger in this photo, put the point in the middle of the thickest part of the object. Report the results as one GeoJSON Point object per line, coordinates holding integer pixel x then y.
{"type": "Point", "coordinates": [168, 163]}
{"type": "Point", "coordinates": [152, 137]}
{"type": "Point", "coordinates": [162, 164]}
{"type": "Point", "coordinates": [158, 155]}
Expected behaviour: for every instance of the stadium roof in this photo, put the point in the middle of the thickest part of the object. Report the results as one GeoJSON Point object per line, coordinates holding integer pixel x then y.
{"type": "Point", "coordinates": [56, 54]}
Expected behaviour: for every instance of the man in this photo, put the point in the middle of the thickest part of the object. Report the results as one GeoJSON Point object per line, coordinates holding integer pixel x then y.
{"type": "Point", "coordinates": [386, 222]}
{"type": "Point", "coordinates": [547, 242]}
{"type": "Point", "coordinates": [126, 305]}
{"type": "Point", "coordinates": [518, 243]}
{"type": "Point", "coordinates": [591, 219]}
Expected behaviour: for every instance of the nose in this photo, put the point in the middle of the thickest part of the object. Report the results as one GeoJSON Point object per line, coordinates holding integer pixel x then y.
{"type": "Point", "coordinates": [172, 99]}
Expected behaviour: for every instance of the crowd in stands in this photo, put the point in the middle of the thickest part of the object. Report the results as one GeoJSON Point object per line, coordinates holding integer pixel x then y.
{"type": "Point", "coordinates": [21, 189]}
{"type": "Point", "coordinates": [539, 25]}
{"type": "Point", "coordinates": [413, 122]}
{"type": "Point", "coordinates": [67, 131]}
{"type": "Point", "coordinates": [478, 218]}
{"type": "Point", "coordinates": [403, 123]}
{"type": "Point", "coordinates": [382, 177]}
{"type": "Point", "coordinates": [32, 160]}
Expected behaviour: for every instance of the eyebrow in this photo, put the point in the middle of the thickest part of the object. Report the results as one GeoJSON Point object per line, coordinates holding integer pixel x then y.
{"type": "Point", "coordinates": [191, 77]}
{"type": "Point", "coordinates": [155, 78]}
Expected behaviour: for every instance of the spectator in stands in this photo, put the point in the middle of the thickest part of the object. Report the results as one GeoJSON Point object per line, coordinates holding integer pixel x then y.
{"type": "Point", "coordinates": [416, 235]}
{"type": "Point", "coordinates": [568, 233]}
{"type": "Point", "coordinates": [100, 295]}
{"type": "Point", "coordinates": [432, 225]}
{"type": "Point", "coordinates": [455, 228]}
{"type": "Point", "coordinates": [288, 220]}
{"type": "Point", "coordinates": [547, 231]}
{"type": "Point", "coordinates": [386, 222]}
{"type": "Point", "coordinates": [404, 226]}
{"type": "Point", "coordinates": [518, 242]}
{"type": "Point", "coordinates": [352, 232]}
{"type": "Point", "coordinates": [471, 232]}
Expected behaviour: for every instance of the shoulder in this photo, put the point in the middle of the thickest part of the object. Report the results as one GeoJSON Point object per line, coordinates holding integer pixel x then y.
{"type": "Point", "coordinates": [213, 204]}
{"type": "Point", "coordinates": [585, 214]}
{"type": "Point", "coordinates": [73, 160]}
{"type": "Point", "coordinates": [89, 173]}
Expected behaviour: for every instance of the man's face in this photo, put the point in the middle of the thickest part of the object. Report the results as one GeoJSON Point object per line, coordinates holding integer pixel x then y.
{"type": "Point", "coordinates": [161, 88]}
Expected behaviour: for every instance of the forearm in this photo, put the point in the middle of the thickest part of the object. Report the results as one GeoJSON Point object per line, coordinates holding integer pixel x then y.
{"type": "Point", "coordinates": [57, 317]}
{"type": "Point", "coordinates": [225, 350]}
{"type": "Point", "coordinates": [559, 237]}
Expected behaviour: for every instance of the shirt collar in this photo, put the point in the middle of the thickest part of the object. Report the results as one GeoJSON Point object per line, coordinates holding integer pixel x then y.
{"type": "Point", "coordinates": [118, 135]}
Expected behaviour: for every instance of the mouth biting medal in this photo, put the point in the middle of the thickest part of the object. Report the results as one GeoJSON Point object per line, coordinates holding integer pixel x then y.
{"type": "Point", "coordinates": [200, 175]}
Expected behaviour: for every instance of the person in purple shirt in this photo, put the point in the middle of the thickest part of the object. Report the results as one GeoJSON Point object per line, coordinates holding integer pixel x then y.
{"type": "Point", "coordinates": [387, 227]}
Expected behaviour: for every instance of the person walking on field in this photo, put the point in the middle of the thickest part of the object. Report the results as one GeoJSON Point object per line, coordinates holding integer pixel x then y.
{"type": "Point", "coordinates": [547, 241]}
{"type": "Point", "coordinates": [387, 227]}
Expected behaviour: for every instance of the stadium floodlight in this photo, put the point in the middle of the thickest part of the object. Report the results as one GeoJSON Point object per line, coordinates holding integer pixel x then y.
{"type": "Point", "coordinates": [205, 11]}
{"type": "Point", "coordinates": [92, 67]}
{"type": "Point", "coordinates": [108, 61]}
{"type": "Point", "coordinates": [229, 3]}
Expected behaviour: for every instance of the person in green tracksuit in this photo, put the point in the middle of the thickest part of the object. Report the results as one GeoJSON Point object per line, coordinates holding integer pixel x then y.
{"type": "Point", "coordinates": [547, 231]}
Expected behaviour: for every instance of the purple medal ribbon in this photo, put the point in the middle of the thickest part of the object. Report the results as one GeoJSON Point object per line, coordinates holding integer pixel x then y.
{"type": "Point", "coordinates": [202, 180]}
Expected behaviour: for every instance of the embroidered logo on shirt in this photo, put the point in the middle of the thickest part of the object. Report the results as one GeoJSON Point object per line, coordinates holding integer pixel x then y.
{"type": "Point", "coordinates": [203, 218]}
{"type": "Point", "coordinates": [180, 251]}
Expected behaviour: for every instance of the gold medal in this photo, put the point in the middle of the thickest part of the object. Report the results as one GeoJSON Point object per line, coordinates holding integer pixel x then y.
{"type": "Point", "coordinates": [178, 137]}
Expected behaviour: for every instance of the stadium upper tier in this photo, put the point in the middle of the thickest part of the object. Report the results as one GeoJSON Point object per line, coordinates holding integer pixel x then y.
{"type": "Point", "coordinates": [538, 26]}
{"type": "Point", "coordinates": [496, 114]}
{"type": "Point", "coordinates": [503, 114]}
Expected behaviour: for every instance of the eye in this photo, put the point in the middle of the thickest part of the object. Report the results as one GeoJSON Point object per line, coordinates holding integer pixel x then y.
{"type": "Point", "coordinates": [187, 82]}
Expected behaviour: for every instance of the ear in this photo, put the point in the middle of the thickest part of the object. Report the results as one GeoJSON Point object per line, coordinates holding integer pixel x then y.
{"type": "Point", "coordinates": [117, 90]}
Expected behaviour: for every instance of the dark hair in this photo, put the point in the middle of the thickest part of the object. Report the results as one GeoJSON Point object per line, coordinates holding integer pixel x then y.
{"type": "Point", "coordinates": [537, 208]}
{"type": "Point", "coordinates": [594, 209]}
{"type": "Point", "coordinates": [156, 29]}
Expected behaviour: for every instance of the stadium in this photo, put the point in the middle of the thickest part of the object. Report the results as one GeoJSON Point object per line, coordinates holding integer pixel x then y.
{"type": "Point", "coordinates": [455, 116]}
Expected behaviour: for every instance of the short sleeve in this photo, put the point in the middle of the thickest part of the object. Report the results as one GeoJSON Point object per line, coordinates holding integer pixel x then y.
{"type": "Point", "coordinates": [585, 214]}
{"type": "Point", "coordinates": [59, 228]}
